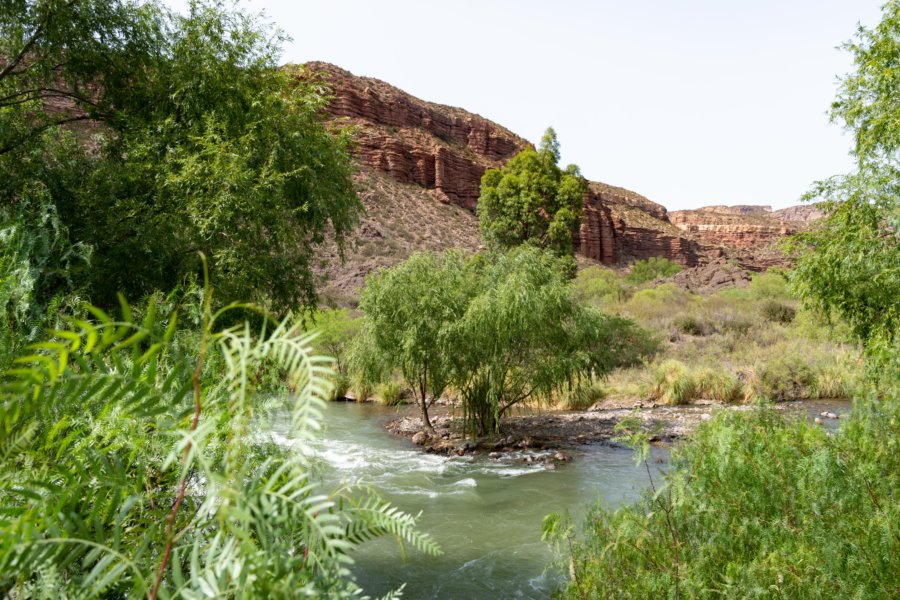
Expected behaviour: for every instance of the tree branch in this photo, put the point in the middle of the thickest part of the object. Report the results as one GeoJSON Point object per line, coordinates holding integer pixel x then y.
{"type": "Point", "coordinates": [38, 130]}
{"type": "Point", "coordinates": [35, 36]}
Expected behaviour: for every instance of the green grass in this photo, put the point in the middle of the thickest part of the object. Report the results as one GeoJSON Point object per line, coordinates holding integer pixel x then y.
{"type": "Point", "coordinates": [389, 393]}
{"type": "Point", "coordinates": [583, 395]}
{"type": "Point", "coordinates": [673, 383]}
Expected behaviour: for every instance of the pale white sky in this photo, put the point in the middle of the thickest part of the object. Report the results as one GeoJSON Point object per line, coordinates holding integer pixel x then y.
{"type": "Point", "coordinates": [689, 102]}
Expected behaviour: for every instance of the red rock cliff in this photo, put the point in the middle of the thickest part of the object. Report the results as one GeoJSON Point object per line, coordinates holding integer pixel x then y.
{"type": "Point", "coordinates": [749, 236]}
{"type": "Point", "coordinates": [446, 150]}
{"type": "Point", "coordinates": [440, 148]}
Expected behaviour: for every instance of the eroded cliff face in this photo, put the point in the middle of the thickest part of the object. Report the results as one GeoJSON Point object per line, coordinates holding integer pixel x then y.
{"type": "Point", "coordinates": [444, 151]}
{"type": "Point", "coordinates": [748, 236]}
{"type": "Point", "coordinates": [803, 214]}
{"type": "Point", "coordinates": [440, 148]}
{"type": "Point", "coordinates": [619, 225]}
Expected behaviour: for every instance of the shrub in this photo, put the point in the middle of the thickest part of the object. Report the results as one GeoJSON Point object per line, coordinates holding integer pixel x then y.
{"type": "Point", "coordinates": [336, 327]}
{"type": "Point", "coordinates": [772, 285]}
{"type": "Point", "coordinates": [736, 324]}
{"type": "Point", "coordinates": [595, 284]}
{"type": "Point", "coordinates": [693, 325]}
{"type": "Point", "coordinates": [835, 380]}
{"type": "Point", "coordinates": [583, 395]}
{"type": "Point", "coordinates": [125, 474]}
{"type": "Point", "coordinates": [653, 268]}
{"type": "Point", "coordinates": [657, 305]}
{"type": "Point", "coordinates": [389, 393]}
{"type": "Point", "coordinates": [362, 388]}
{"type": "Point", "coordinates": [340, 387]}
{"type": "Point", "coordinates": [756, 506]}
{"type": "Point", "coordinates": [673, 383]}
{"type": "Point", "coordinates": [778, 312]}
{"type": "Point", "coordinates": [783, 377]}
{"type": "Point", "coordinates": [719, 385]}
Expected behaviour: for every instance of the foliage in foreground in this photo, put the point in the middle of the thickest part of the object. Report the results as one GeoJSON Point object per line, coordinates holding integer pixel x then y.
{"type": "Point", "coordinates": [756, 507]}
{"type": "Point", "coordinates": [137, 460]}
{"type": "Point", "coordinates": [155, 135]}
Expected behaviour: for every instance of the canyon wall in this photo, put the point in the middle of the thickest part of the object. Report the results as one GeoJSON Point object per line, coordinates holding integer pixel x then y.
{"type": "Point", "coordinates": [439, 154]}
{"type": "Point", "coordinates": [440, 148]}
{"type": "Point", "coordinates": [445, 150]}
{"type": "Point", "coordinates": [749, 237]}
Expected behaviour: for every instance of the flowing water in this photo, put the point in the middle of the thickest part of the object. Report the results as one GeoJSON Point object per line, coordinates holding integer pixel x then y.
{"type": "Point", "coordinates": [486, 514]}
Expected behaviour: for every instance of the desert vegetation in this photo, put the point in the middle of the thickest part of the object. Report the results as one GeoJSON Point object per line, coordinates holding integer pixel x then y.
{"type": "Point", "coordinates": [662, 344]}
{"type": "Point", "coordinates": [731, 345]}
{"type": "Point", "coordinates": [168, 193]}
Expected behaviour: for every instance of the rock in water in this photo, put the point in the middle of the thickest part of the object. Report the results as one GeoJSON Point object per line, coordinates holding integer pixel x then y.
{"type": "Point", "coordinates": [420, 438]}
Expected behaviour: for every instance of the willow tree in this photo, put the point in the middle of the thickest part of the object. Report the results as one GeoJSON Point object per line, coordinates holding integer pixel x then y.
{"type": "Point", "coordinates": [849, 261]}
{"type": "Point", "coordinates": [155, 135]}
{"type": "Point", "coordinates": [410, 310]}
{"type": "Point", "coordinates": [532, 200]}
{"type": "Point", "coordinates": [524, 337]}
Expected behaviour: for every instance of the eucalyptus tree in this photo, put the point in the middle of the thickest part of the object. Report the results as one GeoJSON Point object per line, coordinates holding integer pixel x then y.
{"type": "Point", "coordinates": [136, 459]}
{"type": "Point", "coordinates": [156, 134]}
{"type": "Point", "coordinates": [531, 199]}
{"type": "Point", "coordinates": [410, 312]}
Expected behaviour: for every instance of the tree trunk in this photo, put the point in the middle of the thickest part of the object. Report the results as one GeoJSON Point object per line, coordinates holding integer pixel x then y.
{"type": "Point", "coordinates": [423, 404]}
{"type": "Point", "coordinates": [425, 420]}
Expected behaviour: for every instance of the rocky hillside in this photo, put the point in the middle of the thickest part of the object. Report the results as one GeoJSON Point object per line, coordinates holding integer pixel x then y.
{"type": "Point", "coordinates": [747, 234]}
{"type": "Point", "coordinates": [419, 172]}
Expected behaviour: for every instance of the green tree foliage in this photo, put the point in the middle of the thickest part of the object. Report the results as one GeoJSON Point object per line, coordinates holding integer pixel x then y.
{"type": "Point", "coordinates": [757, 506]}
{"type": "Point", "coordinates": [849, 263]}
{"type": "Point", "coordinates": [190, 138]}
{"type": "Point", "coordinates": [409, 311]}
{"type": "Point", "coordinates": [336, 327]}
{"type": "Point", "coordinates": [652, 268]}
{"type": "Point", "coordinates": [531, 199]}
{"type": "Point", "coordinates": [137, 460]}
{"type": "Point", "coordinates": [501, 329]}
{"type": "Point", "coordinates": [37, 262]}
{"type": "Point", "coordinates": [524, 337]}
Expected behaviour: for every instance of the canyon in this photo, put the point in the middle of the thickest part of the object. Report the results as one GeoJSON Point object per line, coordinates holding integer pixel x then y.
{"type": "Point", "coordinates": [419, 168]}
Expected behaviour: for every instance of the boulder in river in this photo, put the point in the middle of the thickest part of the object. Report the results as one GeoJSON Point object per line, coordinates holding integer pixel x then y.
{"type": "Point", "coordinates": [420, 438]}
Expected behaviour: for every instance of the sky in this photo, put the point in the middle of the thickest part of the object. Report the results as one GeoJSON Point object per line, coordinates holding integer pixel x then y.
{"type": "Point", "coordinates": [688, 102]}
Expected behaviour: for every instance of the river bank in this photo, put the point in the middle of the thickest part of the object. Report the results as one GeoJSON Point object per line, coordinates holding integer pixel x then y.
{"type": "Point", "coordinates": [566, 430]}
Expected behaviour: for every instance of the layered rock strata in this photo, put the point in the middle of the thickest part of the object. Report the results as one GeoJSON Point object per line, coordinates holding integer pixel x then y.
{"type": "Point", "coordinates": [446, 150]}
{"type": "Point", "coordinates": [440, 148]}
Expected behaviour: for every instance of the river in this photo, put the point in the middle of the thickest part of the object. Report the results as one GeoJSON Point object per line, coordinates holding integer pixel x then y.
{"type": "Point", "coordinates": [486, 514]}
